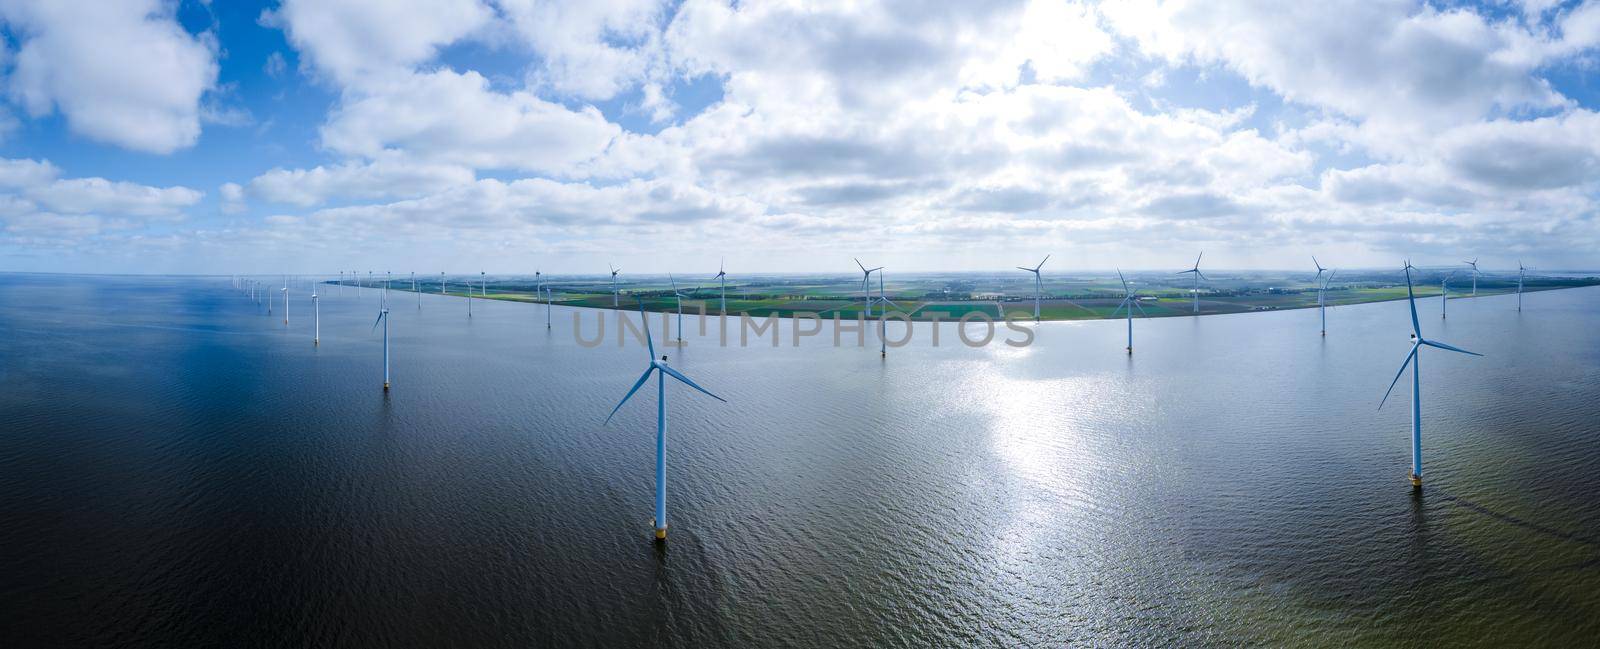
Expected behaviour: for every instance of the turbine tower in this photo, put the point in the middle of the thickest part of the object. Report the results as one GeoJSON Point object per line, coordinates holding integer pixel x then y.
{"type": "Point", "coordinates": [414, 290]}
{"type": "Point", "coordinates": [1197, 277]}
{"type": "Point", "coordinates": [285, 292]}
{"type": "Point", "coordinates": [1038, 285]}
{"type": "Point", "coordinates": [866, 285]}
{"type": "Point", "coordinates": [660, 522]}
{"type": "Point", "coordinates": [1474, 265]}
{"type": "Point", "coordinates": [1415, 361]}
{"type": "Point", "coordinates": [1130, 301]}
{"type": "Point", "coordinates": [1444, 296]}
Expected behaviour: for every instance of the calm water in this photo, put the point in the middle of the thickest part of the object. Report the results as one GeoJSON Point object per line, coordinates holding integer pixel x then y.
{"type": "Point", "coordinates": [179, 469]}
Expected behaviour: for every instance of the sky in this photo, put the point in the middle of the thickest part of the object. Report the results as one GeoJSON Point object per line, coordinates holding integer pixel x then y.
{"type": "Point", "coordinates": [142, 136]}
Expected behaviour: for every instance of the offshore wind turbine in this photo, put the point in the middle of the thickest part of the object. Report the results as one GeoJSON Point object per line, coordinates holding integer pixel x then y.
{"type": "Point", "coordinates": [1444, 296]}
{"type": "Point", "coordinates": [1415, 361]}
{"type": "Point", "coordinates": [285, 291]}
{"type": "Point", "coordinates": [883, 333]}
{"type": "Point", "coordinates": [1038, 285]}
{"type": "Point", "coordinates": [383, 319]}
{"type": "Point", "coordinates": [1474, 265]}
{"type": "Point", "coordinates": [722, 276]}
{"type": "Point", "coordinates": [1197, 277]}
{"type": "Point", "coordinates": [1522, 271]}
{"type": "Point", "coordinates": [1322, 300]}
{"type": "Point", "coordinates": [547, 295]}
{"type": "Point", "coordinates": [866, 285]}
{"type": "Point", "coordinates": [614, 272]}
{"type": "Point", "coordinates": [316, 318]}
{"type": "Point", "coordinates": [414, 290]}
{"type": "Point", "coordinates": [679, 294]}
{"type": "Point", "coordinates": [1130, 301]}
{"type": "Point", "coordinates": [660, 522]}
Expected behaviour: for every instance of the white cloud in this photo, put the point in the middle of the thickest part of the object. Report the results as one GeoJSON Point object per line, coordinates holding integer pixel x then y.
{"type": "Point", "coordinates": [387, 178]}
{"type": "Point", "coordinates": [122, 72]}
{"type": "Point", "coordinates": [354, 40]}
{"type": "Point", "coordinates": [456, 118]}
{"type": "Point", "coordinates": [98, 195]}
{"type": "Point", "coordinates": [232, 195]}
{"type": "Point", "coordinates": [588, 48]}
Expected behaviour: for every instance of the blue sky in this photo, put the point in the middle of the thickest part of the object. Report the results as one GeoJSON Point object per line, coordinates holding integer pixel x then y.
{"type": "Point", "coordinates": [509, 135]}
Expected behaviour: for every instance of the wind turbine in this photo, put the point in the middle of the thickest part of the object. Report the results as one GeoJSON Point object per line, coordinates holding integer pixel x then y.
{"type": "Point", "coordinates": [679, 294]}
{"type": "Point", "coordinates": [1444, 296]}
{"type": "Point", "coordinates": [483, 283]}
{"type": "Point", "coordinates": [1521, 272]}
{"type": "Point", "coordinates": [414, 290]}
{"type": "Point", "coordinates": [547, 295]}
{"type": "Point", "coordinates": [1197, 277]}
{"type": "Point", "coordinates": [316, 318]}
{"type": "Point", "coordinates": [614, 272]}
{"type": "Point", "coordinates": [1130, 301]}
{"type": "Point", "coordinates": [1322, 300]}
{"type": "Point", "coordinates": [268, 291]}
{"type": "Point", "coordinates": [341, 282]}
{"type": "Point", "coordinates": [285, 291]}
{"type": "Point", "coordinates": [1038, 285]}
{"type": "Point", "coordinates": [883, 334]}
{"type": "Point", "coordinates": [722, 276]}
{"type": "Point", "coordinates": [1474, 265]}
{"type": "Point", "coordinates": [1415, 361]}
{"type": "Point", "coordinates": [866, 285]}
{"type": "Point", "coordinates": [661, 419]}
{"type": "Point", "coordinates": [383, 319]}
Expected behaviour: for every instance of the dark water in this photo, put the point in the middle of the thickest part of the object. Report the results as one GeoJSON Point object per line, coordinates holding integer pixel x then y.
{"type": "Point", "coordinates": [178, 469]}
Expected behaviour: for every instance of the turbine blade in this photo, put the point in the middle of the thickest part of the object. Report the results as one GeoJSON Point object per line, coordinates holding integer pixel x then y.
{"type": "Point", "coordinates": [1440, 345]}
{"type": "Point", "coordinates": [642, 378]}
{"type": "Point", "coordinates": [1411, 298]}
{"type": "Point", "coordinates": [1140, 308]}
{"type": "Point", "coordinates": [1117, 310]}
{"type": "Point", "coordinates": [1409, 356]}
{"type": "Point", "coordinates": [1124, 280]}
{"type": "Point", "coordinates": [674, 282]}
{"type": "Point", "coordinates": [858, 263]}
{"type": "Point", "coordinates": [1025, 269]}
{"type": "Point", "coordinates": [1041, 262]}
{"type": "Point", "coordinates": [646, 320]}
{"type": "Point", "coordinates": [675, 374]}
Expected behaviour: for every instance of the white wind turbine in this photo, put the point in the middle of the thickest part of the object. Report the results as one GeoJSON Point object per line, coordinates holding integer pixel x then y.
{"type": "Point", "coordinates": [285, 292]}
{"type": "Point", "coordinates": [1474, 265]}
{"type": "Point", "coordinates": [1130, 301]}
{"type": "Point", "coordinates": [1444, 295]}
{"type": "Point", "coordinates": [316, 318]}
{"type": "Point", "coordinates": [883, 333]}
{"type": "Point", "coordinates": [1415, 361]}
{"type": "Point", "coordinates": [1322, 300]}
{"type": "Point", "coordinates": [614, 272]}
{"type": "Point", "coordinates": [1522, 271]}
{"type": "Point", "coordinates": [866, 285]}
{"type": "Point", "coordinates": [722, 276]}
{"type": "Point", "coordinates": [679, 294]}
{"type": "Point", "coordinates": [414, 290]}
{"type": "Point", "coordinates": [383, 319]}
{"type": "Point", "coordinates": [1197, 277]}
{"type": "Point", "coordinates": [1038, 285]}
{"type": "Point", "coordinates": [660, 522]}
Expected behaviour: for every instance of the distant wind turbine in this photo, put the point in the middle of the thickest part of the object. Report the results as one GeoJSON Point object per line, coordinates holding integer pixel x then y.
{"type": "Point", "coordinates": [661, 419]}
{"type": "Point", "coordinates": [1038, 285]}
{"type": "Point", "coordinates": [866, 285]}
{"type": "Point", "coordinates": [1522, 271]}
{"type": "Point", "coordinates": [722, 276]}
{"type": "Point", "coordinates": [1474, 265]}
{"type": "Point", "coordinates": [614, 272]}
{"type": "Point", "coordinates": [1415, 361]}
{"type": "Point", "coordinates": [285, 292]}
{"type": "Point", "coordinates": [1444, 296]}
{"type": "Point", "coordinates": [316, 318]}
{"type": "Point", "coordinates": [1130, 301]}
{"type": "Point", "coordinates": [1322, 300]}
{"type": "Point", "coordinates": [1197, 277]}
{"type": "Point", "coordinates": [414, 290]}
{"type": "Point", "coordinates": [679, 294]}
{"type": "Point", "coordinates": [883, 333]}
{"type": "Point", "coordinates": [383, 319]}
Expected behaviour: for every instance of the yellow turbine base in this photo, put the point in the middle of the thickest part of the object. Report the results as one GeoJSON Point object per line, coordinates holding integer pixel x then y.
{"type": "Point", "coordinates": [661, 534]}
{"type": "Point", "coordinates": [1416, 481]}
{"type": "Point", "coordinates": [385, 386]}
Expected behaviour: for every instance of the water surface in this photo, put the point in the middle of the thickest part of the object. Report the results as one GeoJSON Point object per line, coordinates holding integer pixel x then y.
{"type": "Point", "coordinates": [177, 468]}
